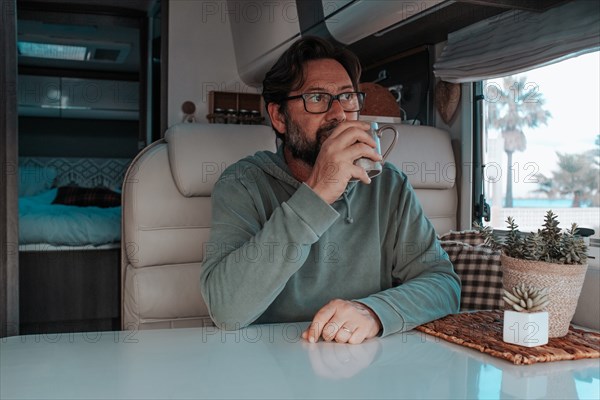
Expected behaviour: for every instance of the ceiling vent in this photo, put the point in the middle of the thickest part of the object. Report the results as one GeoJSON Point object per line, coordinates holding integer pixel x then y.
{"type": "Point", "coordinates": [73, 50]}
{"type": "Point", "coordinates": [111, 55]}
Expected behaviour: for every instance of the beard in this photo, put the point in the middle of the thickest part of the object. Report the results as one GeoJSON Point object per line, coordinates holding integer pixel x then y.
{"type": "Point", "coordinates": [300, 146]}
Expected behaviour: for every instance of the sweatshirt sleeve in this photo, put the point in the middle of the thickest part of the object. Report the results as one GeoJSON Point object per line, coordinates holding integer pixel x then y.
{"type": "Point", "coordinates": [245, 264]}
{"type": "Point", "coordinates": [425, 284]}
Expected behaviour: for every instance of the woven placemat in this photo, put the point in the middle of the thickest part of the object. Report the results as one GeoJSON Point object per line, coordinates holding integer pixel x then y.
{"type": "Point", "coordinates": [482, 331]}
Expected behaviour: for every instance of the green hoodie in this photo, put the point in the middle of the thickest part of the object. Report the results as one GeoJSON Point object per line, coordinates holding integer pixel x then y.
{"type": "Point", "coordinates": [278, 252]}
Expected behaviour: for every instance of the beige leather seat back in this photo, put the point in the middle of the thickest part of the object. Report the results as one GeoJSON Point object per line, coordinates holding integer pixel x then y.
{"type": "Point", "coordinates": [166, 220]}
{"type": "Point", "coordinates": [425, 155]}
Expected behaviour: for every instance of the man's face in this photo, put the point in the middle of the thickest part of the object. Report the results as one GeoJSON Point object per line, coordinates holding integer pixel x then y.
{"type": "Point", "coordinates": [305, 132]}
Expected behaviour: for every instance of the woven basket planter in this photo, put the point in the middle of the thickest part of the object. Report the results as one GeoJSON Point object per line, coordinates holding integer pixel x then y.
{"type": "Point", "coordinates": [564, 282]}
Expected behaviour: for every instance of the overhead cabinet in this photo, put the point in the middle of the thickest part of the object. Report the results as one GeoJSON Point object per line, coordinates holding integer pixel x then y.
{"type": "Point", "coordinates": [39, 96]}
{"type": "Point", "coordinates": [44, 96]}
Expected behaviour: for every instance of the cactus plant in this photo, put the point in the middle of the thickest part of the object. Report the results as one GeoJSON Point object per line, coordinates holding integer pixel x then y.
{"type": "Point", "coordinates": [550, 244]}
{"type": "Point", "coordinates": [527, 299]}
{"type": "Point", "coordinates": [514, 243]}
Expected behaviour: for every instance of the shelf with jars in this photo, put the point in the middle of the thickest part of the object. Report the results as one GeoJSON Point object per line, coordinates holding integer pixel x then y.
{"type": "Point", "coordinates": [235, 108]}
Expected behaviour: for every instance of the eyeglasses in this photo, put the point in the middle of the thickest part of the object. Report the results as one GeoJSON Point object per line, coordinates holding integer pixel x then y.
{"type": "Point", "coordinates": [319, 103]}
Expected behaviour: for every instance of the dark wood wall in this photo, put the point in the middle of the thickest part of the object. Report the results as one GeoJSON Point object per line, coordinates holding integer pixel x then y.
{"type": "Point", "coordinates": [9, 262]}
{"type": "Point", "coordinates": [69, 291]}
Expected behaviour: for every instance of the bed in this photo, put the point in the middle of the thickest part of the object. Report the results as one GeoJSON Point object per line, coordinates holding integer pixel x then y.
{"type": "Point", "coordinates": [69, 243]}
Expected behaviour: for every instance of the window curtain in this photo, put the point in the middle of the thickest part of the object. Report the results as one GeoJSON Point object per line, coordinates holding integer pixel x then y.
{"type": "Point", "coordinates": [518, 41]}
{"type": "Point", "coordinates": [9, 235]}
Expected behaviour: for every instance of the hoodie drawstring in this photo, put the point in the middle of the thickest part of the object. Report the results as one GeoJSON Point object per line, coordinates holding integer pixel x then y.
{"type": "Point", "coordinates": [349, 218]}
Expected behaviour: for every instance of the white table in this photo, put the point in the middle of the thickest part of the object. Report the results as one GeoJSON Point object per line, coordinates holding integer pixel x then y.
{"type": "Point", "coordinates": [272, 361]}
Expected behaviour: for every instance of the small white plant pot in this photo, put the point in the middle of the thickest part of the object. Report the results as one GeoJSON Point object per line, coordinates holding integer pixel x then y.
{"type": "Point", "coordinates": [525, 329]}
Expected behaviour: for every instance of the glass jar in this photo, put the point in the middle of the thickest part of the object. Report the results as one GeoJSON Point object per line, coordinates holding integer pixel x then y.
{"type": "Point", "coordinates": [255, 117]}
{"type": "Point", "coordinates": [219, 116]}
{"type": "Point", "coordinates": [231, 116]}
{"type": "Point", "coordinates": [244, 116]}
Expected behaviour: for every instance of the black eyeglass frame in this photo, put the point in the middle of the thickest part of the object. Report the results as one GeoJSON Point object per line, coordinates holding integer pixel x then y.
{"type": "Point", "coordinates": [333, 97]}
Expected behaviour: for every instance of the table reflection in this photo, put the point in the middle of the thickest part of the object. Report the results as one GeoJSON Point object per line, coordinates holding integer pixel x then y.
{"type": "Point", "coordinates": [341, 361]}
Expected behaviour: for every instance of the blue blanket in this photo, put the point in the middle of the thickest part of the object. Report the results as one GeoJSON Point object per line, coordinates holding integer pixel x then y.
{"type": "Point", "coordinates": [40, 221]}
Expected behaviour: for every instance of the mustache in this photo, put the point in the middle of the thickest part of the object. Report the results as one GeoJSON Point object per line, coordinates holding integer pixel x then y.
{"type": "Point", "coordinates": [325, 131]}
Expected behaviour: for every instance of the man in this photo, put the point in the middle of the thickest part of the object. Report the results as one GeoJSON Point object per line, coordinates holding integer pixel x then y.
{"type": "Point", "coordinates": [304, 234]}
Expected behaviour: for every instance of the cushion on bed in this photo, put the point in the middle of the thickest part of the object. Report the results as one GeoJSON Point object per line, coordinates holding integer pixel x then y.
{"type": "Point", "coordinates": [480, 271]}
{"type": "Point", "coordinates": [85, 197]}
{"type": "Point", "coordinates": [45, 197]}
{"type": "Point", "coordinates": [34, 180]}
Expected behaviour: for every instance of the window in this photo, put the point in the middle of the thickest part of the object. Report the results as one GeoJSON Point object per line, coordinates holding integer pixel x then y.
{"type": "Point", "coordinates": [542, 144]}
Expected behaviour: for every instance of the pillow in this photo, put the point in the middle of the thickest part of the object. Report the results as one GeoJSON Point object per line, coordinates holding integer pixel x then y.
{"type": "Point", "coordinates": [35, 180]}
{"type": "Point", "coordinates": [471, 237]}
{"type": "Point", "coordinates": [45, 197]}
{"type": "Point", "coordinates": [480, 271]}
{"type": "Point", "coordinates": [86, 197]}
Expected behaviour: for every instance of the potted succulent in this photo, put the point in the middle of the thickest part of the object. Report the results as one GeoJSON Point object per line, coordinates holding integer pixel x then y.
{"type": "Point", "coordinates": [550, 258]}
{"type": "Point", "coordinates": [527, 324]}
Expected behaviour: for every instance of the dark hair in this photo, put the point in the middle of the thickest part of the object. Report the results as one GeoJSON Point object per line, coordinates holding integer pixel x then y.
{"type": "Point", "coordinates": [287, 74]}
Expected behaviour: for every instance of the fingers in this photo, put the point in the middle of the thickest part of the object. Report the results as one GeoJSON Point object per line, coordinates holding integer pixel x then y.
{"type": "Point", "coordinates": [346, 135]}
{"type": "Point", "coordinates": [359, 173]}
{"type": "Point", "coordinates": [336, 330]}
{"type": "Point", "coordinates": [342, 129]}
{"type": "Point", "coordinates": [343, 322]}
{"type": "Point", "coordinates": [317, 326]}
{"type": "Point", "coordinates": [358, 336]}
{"type": "Point", "coordinates": [331, 330]}
{"type": "Point", "coordinates": [344, 334]}
{"type": "Point", "coordinates": [351, 336]}
{"type": "Point", "coordinates": [347, 334]}
{"type": "Point", "coordinates": [359, 150]}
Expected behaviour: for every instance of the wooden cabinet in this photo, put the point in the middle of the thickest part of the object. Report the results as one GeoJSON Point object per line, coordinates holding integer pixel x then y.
{"type": "Point", "coordinates": [69, 291]}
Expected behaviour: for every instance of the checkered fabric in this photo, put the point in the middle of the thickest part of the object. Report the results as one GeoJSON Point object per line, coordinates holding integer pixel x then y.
{"type": "Point", "coordinates": [480, 271]}
{"type": "Point", "coordinates": [87, 197]}
{"type": "Point", "coordinates": [471, 237]}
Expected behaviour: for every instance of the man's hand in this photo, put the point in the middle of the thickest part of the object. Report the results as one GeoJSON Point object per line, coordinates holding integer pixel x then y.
{"type": "Point", "coordinates": [335, 164]}
{"type": "Point", "coordinates": [343, 321]}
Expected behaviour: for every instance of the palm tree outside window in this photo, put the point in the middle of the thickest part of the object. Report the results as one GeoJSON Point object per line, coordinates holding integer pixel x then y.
{"type": "Point", "coordinates": [542, 143]}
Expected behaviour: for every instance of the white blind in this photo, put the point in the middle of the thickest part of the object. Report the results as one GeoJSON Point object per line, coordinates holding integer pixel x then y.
{"type": "Point", "coordinates": [517, 41]}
